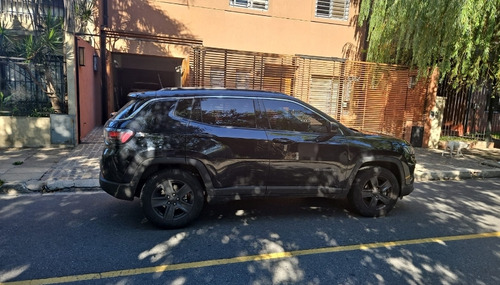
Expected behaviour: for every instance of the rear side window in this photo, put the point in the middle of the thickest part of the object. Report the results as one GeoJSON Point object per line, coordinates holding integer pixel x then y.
{"type": "Point", "coordinates": [229, 112]}
{"type": "Point", "coordinates": [154, 117]}
{"type": "Point", "coordinates": [129, 108]}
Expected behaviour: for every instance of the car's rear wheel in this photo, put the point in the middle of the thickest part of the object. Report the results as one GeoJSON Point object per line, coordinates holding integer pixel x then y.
{"type": "Point", "coordinates": [374, 192]}
{"type": "Point", "coordinates": [172, 198]}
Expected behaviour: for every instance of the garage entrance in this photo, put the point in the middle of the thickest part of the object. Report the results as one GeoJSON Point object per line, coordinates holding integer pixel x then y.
{"type": "Point", "coordinates": [132, 73]}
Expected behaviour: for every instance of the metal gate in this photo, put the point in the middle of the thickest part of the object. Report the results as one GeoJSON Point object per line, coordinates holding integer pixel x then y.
{"type": "Point", "coordinates": [21, 87]}
{"type": "Point", "coordinates": [466, 111]}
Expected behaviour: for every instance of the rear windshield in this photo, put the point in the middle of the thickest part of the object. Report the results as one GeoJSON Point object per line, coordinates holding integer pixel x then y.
{"type": "Point", "coordinates": [129, 108]}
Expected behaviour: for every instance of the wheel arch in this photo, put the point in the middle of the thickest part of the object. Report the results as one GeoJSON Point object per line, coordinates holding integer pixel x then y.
{"type": "Point", "coordinates": [151, 166]}
{"type": "Point", "coordinates": [389, 163]}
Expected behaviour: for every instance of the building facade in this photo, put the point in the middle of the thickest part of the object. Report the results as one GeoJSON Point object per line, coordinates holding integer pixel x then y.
{"type": "Point", "coordinates": [151, 44]}
{"type": "Point", "coordinates": [309, 49]}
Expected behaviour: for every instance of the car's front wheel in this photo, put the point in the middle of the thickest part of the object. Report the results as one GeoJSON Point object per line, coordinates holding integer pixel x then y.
{"type": "Point", "coordinates": [172, 198]}
{"type": "Point", "coordinates": [374, 192]}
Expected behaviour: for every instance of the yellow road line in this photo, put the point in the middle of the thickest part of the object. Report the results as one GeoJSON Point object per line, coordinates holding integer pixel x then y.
{"type": "Point", "coordinates": [250, 258]}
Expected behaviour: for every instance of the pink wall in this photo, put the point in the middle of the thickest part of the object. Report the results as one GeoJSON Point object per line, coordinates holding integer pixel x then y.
{"type": "Point", "coordinates": [90, 103]}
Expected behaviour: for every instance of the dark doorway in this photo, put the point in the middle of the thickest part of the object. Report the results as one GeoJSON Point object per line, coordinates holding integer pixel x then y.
{"type": "Point", "coordinates": [134, 73]}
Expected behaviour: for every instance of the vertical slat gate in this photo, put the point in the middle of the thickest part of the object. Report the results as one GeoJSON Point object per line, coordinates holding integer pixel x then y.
{"type": "Point", "coordinates": [365, 96]}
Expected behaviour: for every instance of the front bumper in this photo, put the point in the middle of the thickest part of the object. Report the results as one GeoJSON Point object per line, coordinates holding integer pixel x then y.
{"type": "Point", "coordinates": [407, 189]}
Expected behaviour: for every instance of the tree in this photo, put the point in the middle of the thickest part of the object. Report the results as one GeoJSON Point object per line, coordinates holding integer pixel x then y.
{"type": "Point", "coordinates": [41, 44]}
{"type": "Point", "coordinates": [38, 48]}
{"type": "Point", "coordinates": [459, 37]}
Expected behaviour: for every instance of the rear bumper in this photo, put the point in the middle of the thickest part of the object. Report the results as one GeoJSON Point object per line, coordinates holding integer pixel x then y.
{"type": "Point", "coordinates": [118, 190]}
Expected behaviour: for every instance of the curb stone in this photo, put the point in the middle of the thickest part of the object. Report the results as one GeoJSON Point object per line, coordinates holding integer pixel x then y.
{"type": "Point", "coordinates": [456, 174]}
{"type": "Point", "coordinates": [14, 189]}
{"type": "Point", "coordinates": [63, 184]}
{"type": "Point", "coordinates": [491, 163]}
{"type": "Point", "coordinates": [35, 186]}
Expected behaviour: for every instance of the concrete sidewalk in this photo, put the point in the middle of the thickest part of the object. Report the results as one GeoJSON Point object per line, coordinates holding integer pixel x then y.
{"type": "Point", "coordinates": [51, 169]}
{"type": "Point", "coordinates": [77, 168]}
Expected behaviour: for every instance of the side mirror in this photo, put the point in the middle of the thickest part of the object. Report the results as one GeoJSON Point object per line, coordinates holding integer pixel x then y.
{"type": "Point", "coordinates": [333, 128]}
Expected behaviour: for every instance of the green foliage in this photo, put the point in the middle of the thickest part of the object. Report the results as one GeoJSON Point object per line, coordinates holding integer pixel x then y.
{"type": "Point", "coordinates": [5, 41]}
{"type": "Point", "coordinates": [43, 112]}
{"type": "Point", "coordinates": [84, 9]}
{"type": "Point", "coordinates": [38, 45]}
{"type": "Point", "coordinates": [39, 48]}
{"type": "Point", "coordinates": [460, 37]}
{"type": "Point", "coordinates": [84, 12]}
{"type": "Point", "coordinates": [43, 43]}
{"type": "Point", "coordinates": [4, 100]}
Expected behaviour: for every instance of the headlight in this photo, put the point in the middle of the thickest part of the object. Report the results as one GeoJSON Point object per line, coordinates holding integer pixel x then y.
{"type": "Point", "coordinates": [409, 149]}
{"type": "Point", "coordinates": [409, 153]}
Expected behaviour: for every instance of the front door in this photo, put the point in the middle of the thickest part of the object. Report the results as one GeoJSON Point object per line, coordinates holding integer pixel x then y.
{"type": "Point", "coordinates": [306, 159]}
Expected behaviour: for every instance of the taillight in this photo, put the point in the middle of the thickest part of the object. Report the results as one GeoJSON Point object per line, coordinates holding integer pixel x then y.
{"type": "Point", "coordinates": [118, 136]}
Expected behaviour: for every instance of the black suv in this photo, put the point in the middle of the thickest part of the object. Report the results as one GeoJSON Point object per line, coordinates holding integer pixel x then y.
{"type": "Point", "coordinates": [179, 148]}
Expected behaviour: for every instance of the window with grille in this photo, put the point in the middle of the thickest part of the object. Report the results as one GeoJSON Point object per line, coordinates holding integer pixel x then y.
{"type": "Point", "coordinates": [333, 9]}
{"type": "Point", "coordinates": [254, 4]}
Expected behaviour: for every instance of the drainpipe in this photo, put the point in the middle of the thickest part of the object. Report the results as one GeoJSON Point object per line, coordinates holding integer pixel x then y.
{"type": "Point", "coordinates": [104, 83]}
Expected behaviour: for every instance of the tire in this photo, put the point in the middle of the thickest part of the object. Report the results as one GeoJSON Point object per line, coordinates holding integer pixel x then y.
{"type": "Point", "coordinates": [172, 199]}
{"type": "Point", "coordinates": [374, 192]}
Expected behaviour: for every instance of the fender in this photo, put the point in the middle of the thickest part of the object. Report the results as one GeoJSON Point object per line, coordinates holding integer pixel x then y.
{"type": "Point", "coordinates": [364, 160]}
{"type": "Point", "coordinates": [151, 165]}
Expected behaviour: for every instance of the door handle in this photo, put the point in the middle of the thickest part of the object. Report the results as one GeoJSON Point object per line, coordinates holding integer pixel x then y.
{"type": "Point", "coordinates": [283, 141]}
{"type": "Point", "coordinates": [205, 136]}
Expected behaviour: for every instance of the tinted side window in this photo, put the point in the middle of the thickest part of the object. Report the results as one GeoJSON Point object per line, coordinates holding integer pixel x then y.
{"type": "Point", "coordinates": [232, 112]}
{"type": "Point", "coordinates": [154, 117]}
{"type": "Point", "coordinates": [290, 116]}
{"type": "Point", "coordinates": [129, 109]}
{"type": "Point", "coordinates": [184, 108]}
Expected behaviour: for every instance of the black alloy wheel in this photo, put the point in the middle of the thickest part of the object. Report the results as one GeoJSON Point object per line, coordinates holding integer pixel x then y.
{"type": "Point", "coordinates": [172, 199]}
{"type": "Point", "coordinates": [374, 192]}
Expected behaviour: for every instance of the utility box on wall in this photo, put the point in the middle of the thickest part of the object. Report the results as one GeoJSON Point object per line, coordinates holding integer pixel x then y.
{"type": "Point", "coordinates": [417, 136]}
{"type": "Point", "coordinates": [62, 129]}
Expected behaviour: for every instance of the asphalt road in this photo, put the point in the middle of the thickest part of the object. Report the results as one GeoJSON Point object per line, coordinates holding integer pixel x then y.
{"type": "Point", "coordinates": [444, 233]}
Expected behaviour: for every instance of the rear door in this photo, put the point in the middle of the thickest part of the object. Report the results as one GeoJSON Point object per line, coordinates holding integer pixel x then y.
{"type": "Point", "coordinates": [224, 136]}
{"type": "Point", "coordinates": [306, 159]}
